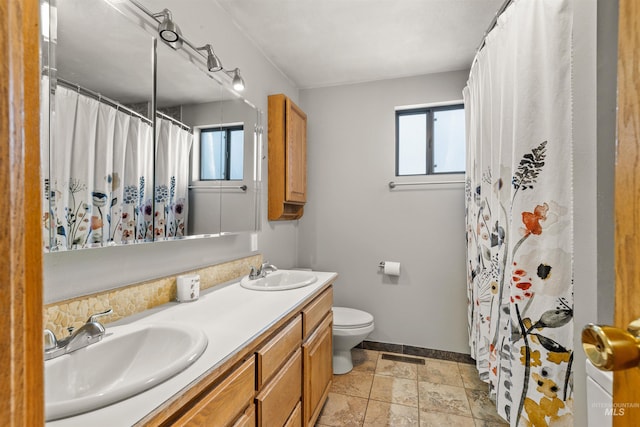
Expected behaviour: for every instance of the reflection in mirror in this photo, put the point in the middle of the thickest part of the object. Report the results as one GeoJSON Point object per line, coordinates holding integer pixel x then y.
{"type": "Point", "coordinates": [181, 79]}
{"type": "Point", "coordinates": [223, 163]}
{"type": "Point", "coordinates": [118, 154]}
{"type": "Point", "coordinates": [100, 167]}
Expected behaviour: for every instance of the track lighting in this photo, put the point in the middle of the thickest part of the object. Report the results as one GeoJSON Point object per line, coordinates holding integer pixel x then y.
{"type": "Point", "coordinates": [170, 33]}
{"type": "Point", "coordinates": [169, 30]}
{"type": "Point", "coordinates": [238, 81]}
{"type": "Point", "coordinates": [213, 62]}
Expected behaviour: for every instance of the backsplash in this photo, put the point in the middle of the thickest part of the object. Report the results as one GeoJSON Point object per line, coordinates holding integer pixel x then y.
{"type": "Point", "coordinates": [138, 297]}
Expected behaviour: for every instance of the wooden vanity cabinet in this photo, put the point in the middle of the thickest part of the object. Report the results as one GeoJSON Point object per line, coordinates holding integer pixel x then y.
{"type": "Point", "coordinates": [225, 403]}
{"type": "Point", "coordinates": [279, 375]}
{"type": "Point", "coordinates": [287, 136]}
{"type": "Point", "coordinates": [317, 355]}
{"type": "Point", "coordinates": [248, 419]}
{"type": "Point", "coordinates": [281, 379]}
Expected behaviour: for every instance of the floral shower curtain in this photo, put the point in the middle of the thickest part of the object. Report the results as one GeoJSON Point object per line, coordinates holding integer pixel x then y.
{"type": "Point", "coordinates": [171, 179]}
{"type": "Point", "coordinates": [519, 213]}
{"type": "Point", "coordinates": [97, 184]}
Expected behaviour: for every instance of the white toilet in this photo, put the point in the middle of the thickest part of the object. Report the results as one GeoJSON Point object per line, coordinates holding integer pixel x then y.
{"type": "Point", "coordinates": [350, 328]}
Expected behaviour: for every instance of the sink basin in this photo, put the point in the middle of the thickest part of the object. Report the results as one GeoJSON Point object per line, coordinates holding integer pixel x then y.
{"type": "Point", "coordinates": [129, 359]}
{"type": "Point", "coordinates": [280, 280]}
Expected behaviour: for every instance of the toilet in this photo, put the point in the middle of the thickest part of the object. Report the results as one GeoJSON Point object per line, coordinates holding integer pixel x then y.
{"type": "Point", "coordinates": [350, 328]}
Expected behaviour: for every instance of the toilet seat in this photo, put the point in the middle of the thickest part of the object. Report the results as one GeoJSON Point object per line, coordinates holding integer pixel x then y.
{"type": "Point", "coordinates": [350, 318]}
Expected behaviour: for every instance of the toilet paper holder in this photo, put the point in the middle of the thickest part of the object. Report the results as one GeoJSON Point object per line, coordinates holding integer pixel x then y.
{"type": "Point", "coordinates": [381, 265]}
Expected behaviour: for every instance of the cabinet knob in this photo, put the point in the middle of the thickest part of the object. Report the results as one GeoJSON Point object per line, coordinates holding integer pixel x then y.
{"type": "Point", "coordinates": [610, 348]}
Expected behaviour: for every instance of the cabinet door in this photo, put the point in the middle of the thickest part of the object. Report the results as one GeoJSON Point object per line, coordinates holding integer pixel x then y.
{"type": "Point", "coordinates": [318, 370]}
{"type": "Point", "coordinates": [296, 154]}
{"type": "Point", "coordinates": [225, 402]}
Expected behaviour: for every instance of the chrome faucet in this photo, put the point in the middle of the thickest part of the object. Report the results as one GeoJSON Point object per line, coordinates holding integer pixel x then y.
{"type": "Point", "coordinates": [89, 333]}
{"type": "Point", "coordinates": [258, 273]}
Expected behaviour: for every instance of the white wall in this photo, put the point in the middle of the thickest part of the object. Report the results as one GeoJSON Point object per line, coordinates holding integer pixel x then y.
{"type": "Point", "coordinates": [352, 221]}
{"type": "Point", "coordinates": [77, 273]}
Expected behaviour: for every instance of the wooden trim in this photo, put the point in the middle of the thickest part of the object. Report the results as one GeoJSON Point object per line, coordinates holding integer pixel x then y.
{"type": "Point", "coordinates": [627, 203]}
{"type": "Point", "coordinates": [21, 396]}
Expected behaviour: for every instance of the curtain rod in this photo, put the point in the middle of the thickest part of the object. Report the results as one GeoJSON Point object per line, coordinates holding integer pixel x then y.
{"type": "Point", "coordinates": [493, 23]}
{"type": "Point", "coordinates": [218, 187]}
{"type": "Point", "coordinates": [174, 121]}
{"type": "Point", "coordinates": [393, 185]}
{"type": "Point", "coordinates": [101, 98]}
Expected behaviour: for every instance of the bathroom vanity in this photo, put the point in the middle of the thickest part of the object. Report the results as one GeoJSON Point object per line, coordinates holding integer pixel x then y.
{"type": "Point", "coordinates": [267, 362]}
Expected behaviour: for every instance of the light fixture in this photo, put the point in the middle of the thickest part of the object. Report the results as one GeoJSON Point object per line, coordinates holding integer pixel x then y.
{"type": "Point", "coordinates": [238, 81]}
{"type": "Point", "coordinates": [213, 62]}
{"type": "Point", "coordinates": [169, 30]}
{"type": "Point", "coordinates": [170, 33]}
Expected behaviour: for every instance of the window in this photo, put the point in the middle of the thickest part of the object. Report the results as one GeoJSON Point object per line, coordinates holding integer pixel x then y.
{"type": "Point", "coordinates": [430, 140]}
{"type": "Point", "coordinates": [222, 153]}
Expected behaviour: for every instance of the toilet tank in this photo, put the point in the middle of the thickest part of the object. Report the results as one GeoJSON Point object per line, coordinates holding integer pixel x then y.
{"type": "Point", "coordinates": [599, 397]}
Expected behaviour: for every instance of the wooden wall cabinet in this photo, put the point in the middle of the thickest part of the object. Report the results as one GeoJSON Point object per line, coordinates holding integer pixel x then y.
{"type": "Point", "coordinates": [287, 136]}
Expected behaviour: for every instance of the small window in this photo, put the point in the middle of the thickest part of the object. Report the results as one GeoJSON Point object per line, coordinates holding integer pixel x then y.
{"type": "Point", "coordinates": [430, 140]}
{"type": "Point", "coordinates": [222, 153]}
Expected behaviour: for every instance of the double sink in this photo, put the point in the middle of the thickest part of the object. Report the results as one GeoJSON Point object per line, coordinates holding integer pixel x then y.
{"type": "Point", "coordinates": [132, 358]}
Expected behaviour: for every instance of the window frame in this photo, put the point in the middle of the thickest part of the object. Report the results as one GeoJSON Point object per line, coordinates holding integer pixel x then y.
{"type": "Point", "coordinates": [429, 112]}
{"type": "Point", "coordinates": [227, 129]}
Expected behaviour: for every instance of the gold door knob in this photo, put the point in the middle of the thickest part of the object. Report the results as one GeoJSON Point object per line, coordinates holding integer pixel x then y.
{"type": "Point", "coordinates": [610, 348]}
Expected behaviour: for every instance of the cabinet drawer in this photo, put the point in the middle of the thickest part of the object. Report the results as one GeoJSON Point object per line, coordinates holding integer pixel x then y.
{"type": "Point", "coordinates": [295, 419]}
{"type": "Point", "coordinates": [281, 394]}
{"type": "Point", "coordinates": [248, 419]}
{"type": "Point", "coordinates": [275, 352]}
{"type": "Point", "coordinates": [226, 401]}
{"type": "Point", "coordinates": [315, 311]}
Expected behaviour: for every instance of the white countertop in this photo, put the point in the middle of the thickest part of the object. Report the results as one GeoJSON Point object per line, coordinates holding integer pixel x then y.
{"type": "Point", "coordinates": [229, 315]}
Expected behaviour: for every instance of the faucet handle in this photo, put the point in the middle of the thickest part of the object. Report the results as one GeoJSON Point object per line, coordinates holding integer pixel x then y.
{"type": "Point", "coordinates": [94, 317]}
{"type": "Point", "coordinates": [50, 341]}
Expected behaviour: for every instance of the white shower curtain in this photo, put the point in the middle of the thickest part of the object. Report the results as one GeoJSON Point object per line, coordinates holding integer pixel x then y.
{"type": "Point", "coordinates": [97, 175]}
{"type": "Point", "coordinates": [519, 213]}
{"type": "Point", "coordinates": [171, 179]}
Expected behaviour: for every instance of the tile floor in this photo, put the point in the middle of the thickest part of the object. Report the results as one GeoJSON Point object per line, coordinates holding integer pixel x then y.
{"type": "Point", "coordinates": [381, 392]}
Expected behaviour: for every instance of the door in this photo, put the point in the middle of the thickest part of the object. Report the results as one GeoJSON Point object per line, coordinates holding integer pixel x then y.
{"type": "Point", "coordinates": [21, 355]}
{"type": "Point", "coordinates": [296, 152]}
{"type": "Point", "coordinates": [626, 389]}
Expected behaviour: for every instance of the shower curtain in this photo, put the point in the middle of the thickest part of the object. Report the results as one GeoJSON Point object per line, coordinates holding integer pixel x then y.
{"type": "Point", "coordinates": [171, 179]}
{"type": "Point", "coordinates": [98, 180]}
{"type": "Point", "coordinates": [519, 213]}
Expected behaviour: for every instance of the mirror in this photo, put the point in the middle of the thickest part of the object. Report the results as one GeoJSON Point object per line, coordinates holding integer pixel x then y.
{"type": "Point", "coordinates": [224, 163]}
{"type": "Point", "coordinates": [99, 173]}
{"type": "Point", "coordinates": [181, 81]}
{"type": "Point", "coordinates": [118, 171]}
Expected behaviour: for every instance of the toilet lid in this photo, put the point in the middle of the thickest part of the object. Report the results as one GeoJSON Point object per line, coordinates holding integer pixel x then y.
{"type": "Point", "coordinates": [351, 318]}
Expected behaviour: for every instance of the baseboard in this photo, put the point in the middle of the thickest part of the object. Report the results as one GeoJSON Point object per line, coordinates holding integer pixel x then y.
{"type": "Point", "coordinates": [417, 351]}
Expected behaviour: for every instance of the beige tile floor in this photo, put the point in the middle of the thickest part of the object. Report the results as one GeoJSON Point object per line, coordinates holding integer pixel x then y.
{"type": "Point", "coordinates": [380, 392]}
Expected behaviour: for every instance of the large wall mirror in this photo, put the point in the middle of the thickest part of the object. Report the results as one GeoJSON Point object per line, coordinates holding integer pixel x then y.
{"type": "Point", "coordinates": [140, 141]}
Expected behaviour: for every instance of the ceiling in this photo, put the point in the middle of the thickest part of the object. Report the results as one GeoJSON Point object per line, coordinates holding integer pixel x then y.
{"type": "Point", "coordinates": [331, 42]}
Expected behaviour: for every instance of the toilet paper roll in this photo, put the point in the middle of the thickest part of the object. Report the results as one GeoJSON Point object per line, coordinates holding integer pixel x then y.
{"type": "Point", "coordinates": [392, 268]}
